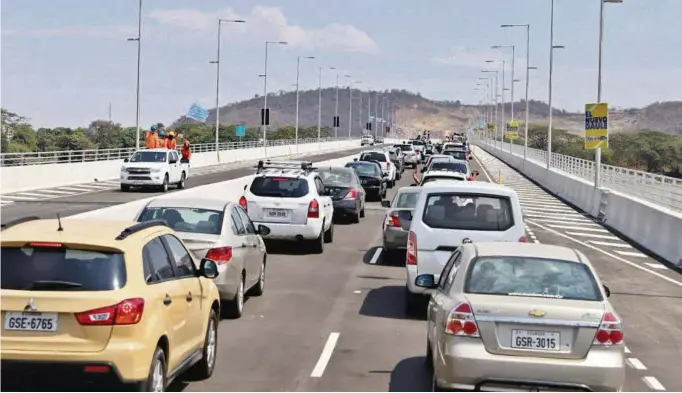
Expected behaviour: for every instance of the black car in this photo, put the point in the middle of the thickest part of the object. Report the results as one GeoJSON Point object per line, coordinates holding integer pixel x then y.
{"type": "Point", "coordinates": [346, 191]}
{"type": "Point", "coordinates": [371, 178]}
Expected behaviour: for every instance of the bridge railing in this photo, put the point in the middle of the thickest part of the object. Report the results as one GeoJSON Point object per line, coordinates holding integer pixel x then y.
{"type": "Point", "coordinates": [659, 189]}
{"type": "Point", "coordinates": [70, 156]}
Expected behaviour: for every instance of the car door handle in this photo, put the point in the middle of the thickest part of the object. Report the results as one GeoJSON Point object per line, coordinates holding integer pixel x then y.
{"type": "Point", "coordinates": [189, 297]}
{"type": "Point", "coordinates": [244, 245]}
{"type": "Point", "coordinates": [167, 300]}
{"type": "Point", "coordinates": [254, 245]}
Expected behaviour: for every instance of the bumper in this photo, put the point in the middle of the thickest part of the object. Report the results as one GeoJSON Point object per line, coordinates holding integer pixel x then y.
{"type": "Point", "coordinates": [395, 239]}
{"type": "Point", "coordinates": [466, 364]}
{"type": "Point", "coordinates": [346, 206]}
{"type": "Point", "coordinates": [308, 231]}
{"type": "Point", "coordinates": [153, 179]}
{"type": "Point", "coordinates": [19, 375]}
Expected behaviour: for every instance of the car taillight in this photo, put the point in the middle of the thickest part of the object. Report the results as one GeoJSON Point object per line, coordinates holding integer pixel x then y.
{"type": "Point", "coordinates": [242, 203]}
{"type": "Point", "coordinates": [411, 258]}
{"type": "Point", "coordinates": [393, 220]}
{"type": "Point", "coordinates": [313, 209]}
{"type": "Point", "coordinates": [352, 194]}
{"type": "Point", "coordinates": [523, 239]}
{"type": "Point", "coordinates": [388, 165]}
{"type": "Point", "coordinates": [220, 255]}
{"type": "Point", "coordinates": [461, 322]}
{"type": "Point", "coordinates": [470, 178]}
{"type": "Point", "coordinates": [610, 331]}
{"type": "Point", "coordinates": [127, 312]}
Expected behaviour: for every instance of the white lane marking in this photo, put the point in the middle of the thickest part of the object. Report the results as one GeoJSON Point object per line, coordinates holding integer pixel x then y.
{"type": "Point", "coordinates": [635, 363]}
{"type": "Point", "coordinates": [6, 202]}
{"type": "Point", "coordinates": [592, 235]}
{"type": "Point", "coordinates": [485, 171]}
{"type": "Point", "coordinates": [357, 291]}
{"type": "Point", "coordinates": [653, 383]}
{"type": "Point", "coordinates": [49, 191]}
{"type": "Point", "coordinates": [76, 188]}
{"type": "Point", "coordinates": [627, 350]}
{"type": "Point", "coordinates": [550, 214]}
{"type": "Point", "coordinates": [610, 244]}
{"type": "Point", "coordinates": [656, 266]}
{"type": "Point", "coordinates": [325, 356]}
{"type": "Point", "coordinates": [376, 256]}
{"type": "Point", "coordinates": [536, 241]}
{"type": "Point", "coordinates": [579, 228]}
{"type": "Point", "coordinates": [541, 203]}
{"type": "Point", "coordinates": [574, 221]}
{"type": "Point", "coordinates": [636, 266]}
{"type": "Point", "coordinates": [631, 254]}
{"type": "Point", "coordinates": [18, 198]}
{"type": "Point", "coordinates": [551, 209]}
{"type": "Point", "coordinates": [26, 194]}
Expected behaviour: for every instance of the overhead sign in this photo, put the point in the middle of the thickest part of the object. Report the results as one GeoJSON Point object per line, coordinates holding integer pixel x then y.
{"type": "Point", "coordinates": [197, 113]}
{"type": "Point", "coordinates": [596, 126]}
{"type": "Point", "coordinates": [240, 130]}
{"type": "Point", "coordinates": [481, 125]}
{"type": "Point", "coordinates": [512, 130]}
{"type": "Point", "coordinates": [491, 126]}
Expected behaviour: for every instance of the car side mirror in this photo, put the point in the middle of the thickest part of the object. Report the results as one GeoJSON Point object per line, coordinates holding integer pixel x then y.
{"type": "Point", "coordinates": [126, 159]}
{"type": "Point", "coordinates": [263, 230]}
{"type": "Point", "coordinates": [607, 291]}
{"type": "Point", "coordinates": [386, 203]}
{"type": "Point", "coordinates": [172, 161]}
{"type": "Point", "coordinates": [208, 268]}
{"type": "Point", "coordinates": [355, 159]}
{"type": "Point", "coordinates": [427, 281]}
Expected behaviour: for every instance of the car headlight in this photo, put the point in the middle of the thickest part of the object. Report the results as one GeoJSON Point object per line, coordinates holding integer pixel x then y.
{"type": "Point", "coordinates": [156, 170]}
{"type": "Point", "coordinates": [124, 169]}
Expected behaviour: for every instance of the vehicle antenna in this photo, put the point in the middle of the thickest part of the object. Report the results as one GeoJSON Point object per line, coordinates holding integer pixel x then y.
{"type": "Point", "coordinates": [59, 220]}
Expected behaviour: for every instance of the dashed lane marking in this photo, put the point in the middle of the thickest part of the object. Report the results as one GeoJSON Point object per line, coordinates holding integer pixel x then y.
{"type": "Point", "coordinates": [653, 383]}
{"type": "Point", "coordinates": [609, 244]}
{"type": "Point", "coordinates": [325, 356]}
{"type": "Point", "coordinates": [578, 228]}
{"type": "Point", "coordinates": [635, 363]}
{"type": "Point", "coordinates": [376, 256]}
{"type": "Point", "coordinates": [656, 266]}
{"type": "Point", "coordinates": [627, 350]}
{"type": "Point", "coordinates": [592, 235]}
{"type": "Point", "coordinates": [630, 253]}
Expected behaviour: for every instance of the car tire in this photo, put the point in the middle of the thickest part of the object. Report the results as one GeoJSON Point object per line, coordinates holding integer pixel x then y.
{"type": "Point", "coordinates": [181, 183]}
{"type": "Point", "coordinates": [204, 368]}
{"type": "Point", "coordinates": [164, 186]}
{"type": "Point", "coordinates": [329, 233]}
{"type": "Point", "coordinates": [389, 184]}
{"type": "Point", "coordinates": [259, 288]}
{"type": "Point", "coordinates": [383, 196]}
{"type": "Point", "coordinates": [125, 187]}
{"type": "Point", "coordinates": [317, 245]}
{"type": "Point", "coordinates": [234, 308]}
{"type": "Point", "coordinates": [392, 183]}
{"type": "Point", "coordinates": [156, 379]}
{"type": "Point", "coordinates": [398, 175]}
{"type": "Point", "coordinates": [355, 218]}
{"type": "Point", "coordinates": [428, 359]}
{"type": "Point", "coordinates": [362, 212]}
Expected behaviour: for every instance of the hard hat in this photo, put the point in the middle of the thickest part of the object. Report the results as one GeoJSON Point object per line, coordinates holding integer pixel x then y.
{"type": "Point", "coordinates": [153, 127]}
{"type": "Point", "coordinates": [161, 132]}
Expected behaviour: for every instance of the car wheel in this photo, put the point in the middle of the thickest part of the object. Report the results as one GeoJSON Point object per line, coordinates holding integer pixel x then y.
{"type": "Point", "coordinates": [392, 183]}
{"type": "Point", "coordinates": [317, 245]}
{"type": "Point", "coordinates": [428, 359]}
{"type": "Point", "coordinates": [329, 233]}
{"type": "Point", "coordinates": [259, 288]}
{"type": "Point", "coordinates": [398, 176]}
{"type": "Point", "coordinates": [383, 195]}
{"type": "Point", "coordinates": [156, 380]}
{"type": "Point", "coordinates": [234, 308]}
{"type": "Point", "coordinates": [204, 368]}
{"type": "Point", "coordinates": [362, 212]}
{"type": "Point", "coordinates": [181, 184]}
{"type": "Point", "coordinates": [164, 186]}
{"type": "Point", "coordinates": [125, 188]}
{"type": "Point", "coordinates": [355, 217]}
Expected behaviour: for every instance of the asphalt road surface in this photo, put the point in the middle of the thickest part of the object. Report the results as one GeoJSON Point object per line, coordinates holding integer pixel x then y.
{"type": "Point", "coordinates": [337, 323]}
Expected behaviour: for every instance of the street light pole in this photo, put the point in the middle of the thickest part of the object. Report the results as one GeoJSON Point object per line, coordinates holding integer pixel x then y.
{"type": "Point", "coordinates": [298, 71]}
{"type": "Point", "coordinates": [139, 63]}
{"type": "Point", "coordinates": [551, 70]}
{"type": "Point", "coordinates": [336, 111]}
{"type": "Point", "coordinates": [350, 107]}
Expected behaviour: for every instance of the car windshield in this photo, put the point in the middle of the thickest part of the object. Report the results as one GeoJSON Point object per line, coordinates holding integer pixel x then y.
{"type": "Point", "coordinates": [186, 219]}
{"type": "Point", "coordinates": [373, 156]}
{"type": "Point", "coordinates": [406, 200]}
{"type": "Point", "coordinates": [364, 169]}
{"type": "Point", "coordinates": [457, 154]}
{"type": "Point", "coordinates": [279, 187]}
{"type": "Point", "coordinates": [393, 156]}
{"type": "Point", "coordinates": [336, 176]}
{"type": "Point", "coordinates": [453, 166]}
{"type": "Point", "coordinates": [404, 147]}
{"type": "Point", "coordinates": [462, 211]}
{"type": "Point", "coordinates": [533, 277]}
{"type": "Point", "coordinates": [149, 156]}
{"type": "Point", "coordinates": [61, 269]}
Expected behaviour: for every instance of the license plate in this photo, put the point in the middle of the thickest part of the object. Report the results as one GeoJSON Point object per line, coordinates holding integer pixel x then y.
{"type": "Point", "coordinates": [278, 213]}
{"type": "Point", "coordinates": [536, 340]}
{"type": "Point", "coordinates": [32, 322]}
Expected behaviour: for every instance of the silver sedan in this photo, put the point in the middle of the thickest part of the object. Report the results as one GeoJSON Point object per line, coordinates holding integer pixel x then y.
{"type": "Point", "coordinates": [398, 217]}
{"type": "Point", "coordinates": [220, 231]}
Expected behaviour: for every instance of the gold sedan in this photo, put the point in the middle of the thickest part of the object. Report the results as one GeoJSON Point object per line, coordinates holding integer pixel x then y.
{"type": "Point", "coordinates": [522, 316]}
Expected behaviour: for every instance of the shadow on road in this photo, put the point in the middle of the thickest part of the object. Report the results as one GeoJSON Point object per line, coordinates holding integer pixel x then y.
{"type": "Point", "coordinates": [277, 247]}
{"type": "Point", "coordinates": [385, 302]}
{"type": "Point", "coordinates": [386, 258]}
{"type": "Point", "coordinates": [410, 375]}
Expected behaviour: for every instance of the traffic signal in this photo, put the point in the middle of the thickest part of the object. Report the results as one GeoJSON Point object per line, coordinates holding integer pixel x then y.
{"type": "Point", "coordinates": [265, 117]}
{"type": "Point", "coordinates": [388, 129]}
{"type": "Point", "coordinates": [369, 126]}
{"type": "Point", "coordinates": [337, 121]}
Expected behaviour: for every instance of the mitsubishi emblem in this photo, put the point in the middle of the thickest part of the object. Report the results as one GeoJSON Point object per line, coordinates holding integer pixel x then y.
{"type": "Point", "coordinates": [30, 306]}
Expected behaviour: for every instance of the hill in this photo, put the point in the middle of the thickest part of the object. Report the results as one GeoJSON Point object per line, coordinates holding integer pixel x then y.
{"type": "Point", "coordinates": [416, 111]}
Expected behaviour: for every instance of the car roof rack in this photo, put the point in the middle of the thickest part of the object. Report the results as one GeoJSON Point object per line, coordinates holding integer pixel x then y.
{"type": "Point", "coordinates": [140, 226]}
{"type": "Point", "coordinates": [18, 221]}
{"type": "Point", "coordinates": [306, 166]}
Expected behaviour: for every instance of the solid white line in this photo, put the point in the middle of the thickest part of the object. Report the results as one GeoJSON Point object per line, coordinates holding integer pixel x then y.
{"type": "Point", "coordinates": [609, 244]}
{"type": "Point", "coordinates": [6, 202]}
{"type": "Point", "coordinates": [627, 350]}
{"type": "Point", "coordinates": [631, 254]}
{"type": "Point", "coordinates": [656, 266]}
{"type": "Point", "coordinates": [592, 235]}
{"type": "Point", "coordinates": [325, 356]}
{"type": "Point", "coordinates": [635, 363]}
{"type": "Point", "coordinates": [485, 171]}
{"type": "Point", "coordinates": [549, 209]}
{"type": "Point", "coordinates": [579, 228]}
{"type": "Point", "coordinates": [636, 266]}
{"type": "Point", "coordinates": [376, 255]}
{"type": "Point", "coordinates": [653, 383]}
{"type": "Point", "coordinates": [574, 221]}
{"type": "Point", "coordinates": [541, 202]}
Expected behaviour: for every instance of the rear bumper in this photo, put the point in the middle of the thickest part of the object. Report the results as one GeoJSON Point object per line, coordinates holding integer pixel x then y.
{"type": "Point", "coordinates": [309, 231]}
{"type": "Point", "coordinates": [395, 239]}
{"type": "Point", "coordinates": [346, 206]}
{"type": "Point", "coordinates": [466, 364]}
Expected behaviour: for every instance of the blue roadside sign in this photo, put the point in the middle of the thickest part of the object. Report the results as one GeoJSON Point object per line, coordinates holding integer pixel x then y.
{"type": "Point", "coordinates": [240, 130]}
{"type": "Point", "coordinates": [197, 113]}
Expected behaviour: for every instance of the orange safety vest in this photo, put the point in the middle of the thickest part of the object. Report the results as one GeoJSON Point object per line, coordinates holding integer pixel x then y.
{"type": "Point", "coordinates": [150, 140]}
{"type": "Point", "coordinates": [170, 144]}
{"type": "Point", "coordinates": [186, 152]}
{"type": "Point", "coordinates": [160, 143]}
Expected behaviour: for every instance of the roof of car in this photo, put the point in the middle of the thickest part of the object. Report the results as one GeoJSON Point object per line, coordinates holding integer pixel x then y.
{"type": "Point", "coordinates": [530, 250]}
{"type": "Point", "coordinates": [470, 186]}
{"type": "Point", "coordinates": [404, 190]}
{"type": "Point", "coordinates": [443, 173]}
{"type": "Point", "coordinates": [195, 203]}
{"type": "Point", "coordinates": [157, 150]}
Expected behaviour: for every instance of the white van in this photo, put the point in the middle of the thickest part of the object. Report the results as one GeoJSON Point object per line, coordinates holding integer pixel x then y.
{"type": "Point", "coordinates": [449, 214]}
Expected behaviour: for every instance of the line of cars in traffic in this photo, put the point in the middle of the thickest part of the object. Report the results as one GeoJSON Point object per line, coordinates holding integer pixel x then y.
{"type": "Point", "coordinates": [501, 313]}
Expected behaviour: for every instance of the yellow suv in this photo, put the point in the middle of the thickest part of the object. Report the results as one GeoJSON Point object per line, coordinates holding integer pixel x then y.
{"type": "Point", "coordinates": [105, 301]}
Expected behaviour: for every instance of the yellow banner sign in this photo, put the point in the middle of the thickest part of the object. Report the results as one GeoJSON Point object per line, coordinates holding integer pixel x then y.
{"type": "Point", "coordinates": [491, 126]}
{"type": "Point", "coordinates": [512, 130]}
{"type": "Point", "coordinates": [596, 126]}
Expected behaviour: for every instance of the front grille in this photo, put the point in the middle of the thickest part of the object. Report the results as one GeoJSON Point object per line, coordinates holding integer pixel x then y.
{"type": "Point", "coordinates": [141, 171]}
{"type": "Point", "coordinates": [139, 178]}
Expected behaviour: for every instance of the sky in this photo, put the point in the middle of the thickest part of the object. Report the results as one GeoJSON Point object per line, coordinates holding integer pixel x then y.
{"type": "Point", "coordinates": [64, 62]}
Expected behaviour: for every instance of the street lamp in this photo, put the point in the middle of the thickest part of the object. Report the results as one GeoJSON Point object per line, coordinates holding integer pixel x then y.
{"type": "Point", "coordinates": [298, 69]}
{"type": "Point", "coordinates": [336, 111]}
{"type": "Point", "coordinates": [497, 88]}
{"type": "Point", "coordinates": [513, 48]}
{"type": "Point", "coordinates": [489, 101]}
{"type": "Point", "coordinates": [319, 110]}
{"type": "Point", "coordinates": [217, 82]}
{"type": "Point", "coordinates": [527, 26]}
{"type": "Point", "coordinates": [137, 94]}
{"type": "Point", "coordinates": [265, 94]}
{"type": "Point", "coordinates": [350, 107]}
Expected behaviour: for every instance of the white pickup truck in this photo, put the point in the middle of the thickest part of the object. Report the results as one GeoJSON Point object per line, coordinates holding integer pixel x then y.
{"type": "Point", "coordinates": [156, 168]}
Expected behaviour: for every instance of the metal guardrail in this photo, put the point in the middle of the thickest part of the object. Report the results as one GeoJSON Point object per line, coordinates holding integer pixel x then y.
{"type": "Point", "coordinates": [71, 156]}
{"type": "Point", "coordinates": [662, 190]}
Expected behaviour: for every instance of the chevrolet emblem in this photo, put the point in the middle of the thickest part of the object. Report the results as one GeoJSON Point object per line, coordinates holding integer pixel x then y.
{"type": "Point", "coordinates": [537, 313]}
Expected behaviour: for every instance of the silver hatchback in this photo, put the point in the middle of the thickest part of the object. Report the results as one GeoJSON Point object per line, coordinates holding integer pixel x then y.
{"type": "Point", "coordinates": [396, 225]}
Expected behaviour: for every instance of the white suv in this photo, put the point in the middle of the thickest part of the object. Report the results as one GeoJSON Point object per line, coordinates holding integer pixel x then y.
{"type": "Point", "coordinates": [387, 167]}
{"type": "Point", "coordinates": [154, 168]}
{"type": "Point", "coordinates": [449, 214]}
{"type": "Point", "coordinates": [367, 140]}
{"type": "Point", "coordinates": [289, 198]}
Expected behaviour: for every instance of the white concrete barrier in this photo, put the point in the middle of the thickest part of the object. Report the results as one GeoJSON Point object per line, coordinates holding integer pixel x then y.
{"type": "Point", "coordinates": [32, 177]}
{"type": "Point", "coordinates": [655, 228]}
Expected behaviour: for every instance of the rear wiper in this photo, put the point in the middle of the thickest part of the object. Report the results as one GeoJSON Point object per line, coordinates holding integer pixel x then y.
{"type": "Point", "coordinates": [49, 284]}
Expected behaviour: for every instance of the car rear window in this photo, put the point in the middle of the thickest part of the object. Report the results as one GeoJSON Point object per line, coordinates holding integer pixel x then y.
{"type": "Point", "coordinates": [462, 211]}
{"type": "Point", "coordinates": [406, 200]}
{"type": "Point", "coordinates": [279, 187]}
{"type": "Point", "coordinates": [186, 219]}
{"type": "Point", "coordinates": [454, 166]}
{"type": "Point", "coordinates": [458, 154]}
{"type": "Point", "coordinates": [381, 157]}
{"type": "Point", "coordinates": [61, 269]}
{"type": "Point", "coordinates": [336, 176]}
{"type": "Point", "coordinates": [430, 179]}
{"type": "Point", "coordinates": [404, 147]}
{"type": "Point", "coordinates": [534, 277]}
{"type": "Point", "coordinates": [364, 169]}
